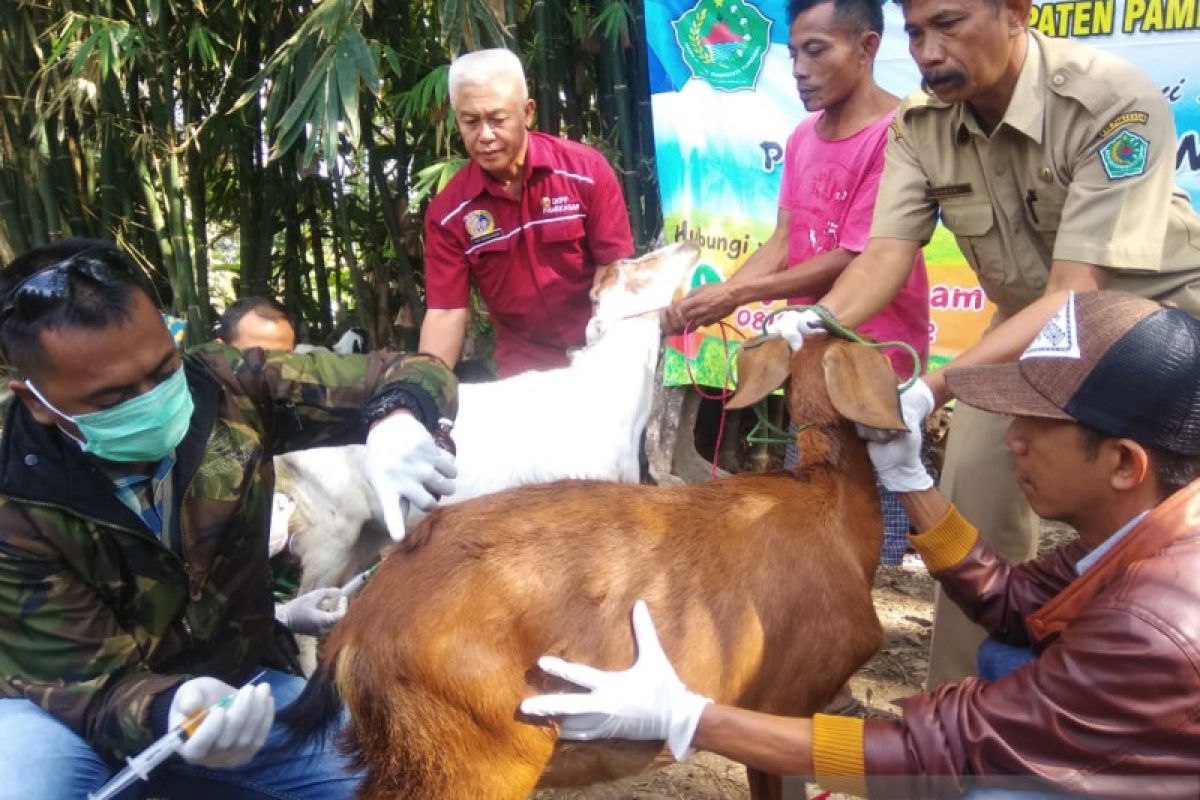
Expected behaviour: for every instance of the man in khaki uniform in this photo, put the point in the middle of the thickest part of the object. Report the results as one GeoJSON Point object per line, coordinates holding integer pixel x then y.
{"type": "Point", "coordinates": [1052, 163]}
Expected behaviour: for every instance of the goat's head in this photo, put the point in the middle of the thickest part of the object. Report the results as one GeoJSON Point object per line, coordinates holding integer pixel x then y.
{"type": "Point", "coordinates": [827, 380]}
{"type": "Point", "coordinates": [640, 285]}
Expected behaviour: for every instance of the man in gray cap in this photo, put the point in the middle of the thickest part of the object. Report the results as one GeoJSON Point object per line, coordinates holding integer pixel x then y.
{"type": "Point", "coordinates": [1106, 437]}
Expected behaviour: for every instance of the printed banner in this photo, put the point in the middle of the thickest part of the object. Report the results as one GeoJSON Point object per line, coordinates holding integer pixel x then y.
{"type": "Point", "coordinates": [725, 102]}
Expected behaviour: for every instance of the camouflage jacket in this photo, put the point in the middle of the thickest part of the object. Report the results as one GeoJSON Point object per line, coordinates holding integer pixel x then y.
{"type": "Point", "coordinates": [99, 621]}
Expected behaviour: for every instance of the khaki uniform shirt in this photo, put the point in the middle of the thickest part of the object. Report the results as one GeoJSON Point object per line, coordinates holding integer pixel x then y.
{"type": "Point", "coordinates": [1081, 168]}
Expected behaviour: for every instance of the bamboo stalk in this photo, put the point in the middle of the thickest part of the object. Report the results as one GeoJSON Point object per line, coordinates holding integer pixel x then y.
{"type": "Point", "coordinates": [639, 79]}
{"type": "Point", "coordinates": [324, 306]}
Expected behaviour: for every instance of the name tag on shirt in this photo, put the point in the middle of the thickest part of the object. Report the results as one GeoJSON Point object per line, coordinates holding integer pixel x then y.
{"type": "Point", "coordinates": [944, 192]}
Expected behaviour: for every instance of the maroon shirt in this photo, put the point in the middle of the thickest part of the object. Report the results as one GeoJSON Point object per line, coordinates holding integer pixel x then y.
{"type": "Point", "coordinates": [532, 258]}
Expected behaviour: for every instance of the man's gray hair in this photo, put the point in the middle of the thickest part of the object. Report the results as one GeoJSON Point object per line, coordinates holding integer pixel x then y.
{"type": "Point", "coordinates": [484, 66]}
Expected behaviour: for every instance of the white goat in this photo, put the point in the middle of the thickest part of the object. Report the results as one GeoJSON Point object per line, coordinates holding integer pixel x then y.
{"type": "Point", "coordinates": [580, 421]}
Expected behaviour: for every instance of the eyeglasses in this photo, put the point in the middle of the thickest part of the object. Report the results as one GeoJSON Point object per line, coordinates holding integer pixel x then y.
{"type": "Point", "coordinates": [46, 288]}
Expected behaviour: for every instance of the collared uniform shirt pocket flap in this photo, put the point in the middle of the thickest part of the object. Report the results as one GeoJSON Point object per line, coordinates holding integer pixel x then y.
{"type": "Point", "coordinates": [968, 219]}
{"type": "Point", "coordinates": [490, 243]}
{"type": "Point", "coordinates": [562, 247]}
{"type": "Point", "coordinates": [560, 229]}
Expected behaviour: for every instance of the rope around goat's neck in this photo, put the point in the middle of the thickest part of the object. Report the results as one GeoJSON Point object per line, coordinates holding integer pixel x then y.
{"type": "Point", "coordinates": [836, 328]}
{"type": "Point", "coordinates": [774, 433]}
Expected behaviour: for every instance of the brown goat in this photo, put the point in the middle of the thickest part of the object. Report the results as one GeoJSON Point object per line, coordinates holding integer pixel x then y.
{"type": "Point", "coordinates": [760, 586]}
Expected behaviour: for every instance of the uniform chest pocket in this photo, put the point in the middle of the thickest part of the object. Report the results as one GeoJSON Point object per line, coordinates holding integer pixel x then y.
{"type": "Point", "coordinates": [557, 231]}
{"type": "Point", "coordinates": [561, 245]}
{"type": "Point", "coordinates": [229, 463]}
{"type": "Point", "coordinates": [968, 220]}
{"type": "Point", "coordinates": [488, 249]}
{"type": "Point", "coordinates": [500, 273]}
{"type": "Point", "coordinates": [973, 225]}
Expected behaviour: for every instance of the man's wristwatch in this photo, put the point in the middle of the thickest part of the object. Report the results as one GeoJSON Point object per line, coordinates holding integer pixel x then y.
{"type": "Point", "coordinates": [394, 399]}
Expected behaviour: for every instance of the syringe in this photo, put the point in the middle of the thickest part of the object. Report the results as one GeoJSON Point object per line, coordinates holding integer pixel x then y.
{"type": "Point", "coordinates": [356, 583]}
{"type": "Point", "coordinates": [164, 747]}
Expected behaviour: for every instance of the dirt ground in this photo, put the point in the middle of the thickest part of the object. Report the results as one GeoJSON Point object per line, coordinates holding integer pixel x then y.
{"type": "Point", "coordinates": [904, 601]}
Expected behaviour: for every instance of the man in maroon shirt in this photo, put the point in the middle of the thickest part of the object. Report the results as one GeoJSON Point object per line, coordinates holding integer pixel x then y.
{"type": "Point", "coordinates": [531, 221]}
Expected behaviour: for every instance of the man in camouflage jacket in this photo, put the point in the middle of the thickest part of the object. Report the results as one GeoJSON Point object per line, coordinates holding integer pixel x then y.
{"type": "Point", "coordinates": [102, 618]}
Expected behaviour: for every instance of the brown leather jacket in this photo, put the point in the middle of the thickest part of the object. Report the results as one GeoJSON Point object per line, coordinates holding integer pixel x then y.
{"type": "Point", "coordinates": [1112, 705]}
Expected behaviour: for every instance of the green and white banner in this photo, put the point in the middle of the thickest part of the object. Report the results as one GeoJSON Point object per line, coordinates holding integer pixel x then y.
{"type": "Point", "coordinates": [724, 103]}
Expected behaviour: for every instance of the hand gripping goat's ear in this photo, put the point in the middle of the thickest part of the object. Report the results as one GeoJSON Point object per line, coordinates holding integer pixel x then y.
{"type": "Point", "coordinates": [862, 386]}
{"type": "Point", "coordinates": [763, 364]}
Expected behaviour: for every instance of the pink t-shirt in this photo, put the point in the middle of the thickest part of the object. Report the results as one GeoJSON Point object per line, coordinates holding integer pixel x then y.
{"type": "Point", "coordinates": [829, 190]}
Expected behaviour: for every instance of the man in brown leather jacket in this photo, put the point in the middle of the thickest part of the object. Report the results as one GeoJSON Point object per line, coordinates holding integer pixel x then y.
{"type": "Point", "coordinates": [1106, 437]}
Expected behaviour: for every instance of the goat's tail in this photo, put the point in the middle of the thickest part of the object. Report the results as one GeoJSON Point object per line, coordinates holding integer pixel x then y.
{"type": "Point", "coordinates": [314, 713]}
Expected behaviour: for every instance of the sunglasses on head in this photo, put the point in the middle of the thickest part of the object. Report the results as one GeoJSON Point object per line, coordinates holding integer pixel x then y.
{"type": "Point", "coordinates": [46, 288]}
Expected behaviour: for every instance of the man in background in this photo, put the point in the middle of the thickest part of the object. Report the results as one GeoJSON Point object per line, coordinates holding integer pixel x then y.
{"type": "Point", "coordinates": [831, 172]}
{"type": "Point", "coordinates": [257, 322]}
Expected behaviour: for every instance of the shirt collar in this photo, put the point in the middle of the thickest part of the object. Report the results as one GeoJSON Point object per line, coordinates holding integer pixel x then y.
{"type": "Point", "coordinates": [1085, 563]}
{"type": "Point", "coordinates": [1026, 109]}
{"type": "Point", "coordinates": [537, 154]}
{"type": "Point", "coordinates": [125, 478]}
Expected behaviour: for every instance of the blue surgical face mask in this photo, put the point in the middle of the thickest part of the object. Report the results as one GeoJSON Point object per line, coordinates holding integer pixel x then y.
{"type": "Point", "coordinates": [144, 428]}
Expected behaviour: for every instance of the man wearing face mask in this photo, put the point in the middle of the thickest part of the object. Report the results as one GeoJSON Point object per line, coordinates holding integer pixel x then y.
{"type": "Point", "coordinates": [135, 489]}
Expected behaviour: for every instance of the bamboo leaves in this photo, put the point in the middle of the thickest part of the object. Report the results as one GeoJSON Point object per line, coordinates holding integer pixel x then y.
{"type": "Point", "coordinates": [472, 24]}
{"type": "Point", "coordinates": [613, 21]}
{"type": "Point", "coordinates": [200, 45]}
{"type": "Point", "coordinates": [195, 131]}
{"type": "Point", "coordinates": [433, 178]}
{"type": "Point", "coordinates": [314, 80]}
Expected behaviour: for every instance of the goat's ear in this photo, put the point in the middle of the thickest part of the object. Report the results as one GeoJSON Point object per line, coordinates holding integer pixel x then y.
{"type": "Point", "coordinates": [762, 366]}
{"type": "Point", "coordinates": [862, 386]}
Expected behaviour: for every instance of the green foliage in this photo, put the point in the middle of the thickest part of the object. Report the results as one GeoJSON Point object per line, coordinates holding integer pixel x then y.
{"type": "Point", "coordinates": [317, 74]}
{"type": "Point", "coordinates": [289, 148]}
{"type": "Point", "coordinates": [614, 21]}
{"type": "Point", "coordinates": [201, 45]}
{"type": "Point", "coordinates": [471, 25]}
{"type": "Point", "coordinates": [433, 178]}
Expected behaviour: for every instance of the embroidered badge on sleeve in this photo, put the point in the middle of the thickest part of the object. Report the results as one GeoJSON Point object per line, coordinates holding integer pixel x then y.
{"type": "Point", "coordinates": [1124, 154]}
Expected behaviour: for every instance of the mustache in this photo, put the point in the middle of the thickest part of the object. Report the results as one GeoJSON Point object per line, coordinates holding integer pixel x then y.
{"type": "Point", "coordinates": [941, 77]}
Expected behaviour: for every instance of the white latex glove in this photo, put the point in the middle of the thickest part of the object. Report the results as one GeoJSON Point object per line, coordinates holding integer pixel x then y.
{"type": "Point", "coordinates": [312, 613]}
{"type": "Point", "coordinates": [793, 326]}
{"type": "Point", "coordinates": [403, 463]}
{"type": "Point", "coordinates": [897, 459]}
{"type": "Point", "coordinates": [645, 702]}
{"type": "Point", "coordinates": [229, 736]}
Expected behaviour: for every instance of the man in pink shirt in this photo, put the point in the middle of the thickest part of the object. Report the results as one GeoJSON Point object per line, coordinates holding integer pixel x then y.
{"type": "Point", "coordinates": [830, 177]}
